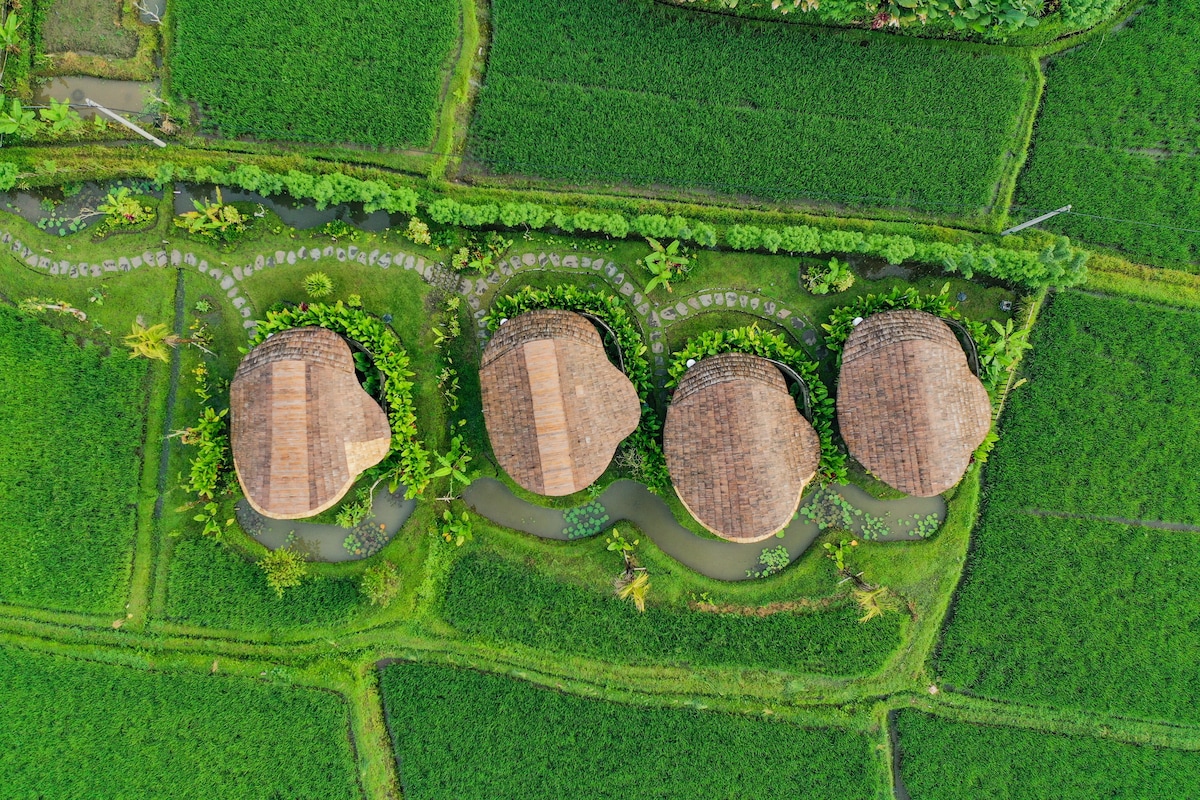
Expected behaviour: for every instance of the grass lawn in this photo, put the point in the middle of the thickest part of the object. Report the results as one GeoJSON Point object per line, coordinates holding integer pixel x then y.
{"type": "Point", "coordinates": [1118, 136]}
{"type": "Point", "coordinates": [72, 431]}
{"type": "Point", "coordinates": [318, 71]}
{"type": "Point", "coordinates": [460, 735]}
{"type": "Point", "coordinates": [71, 728]}
{"type": "Point", "coordinates": [942, 759]}
{"type": "Point", "coordinates": [644, 94]}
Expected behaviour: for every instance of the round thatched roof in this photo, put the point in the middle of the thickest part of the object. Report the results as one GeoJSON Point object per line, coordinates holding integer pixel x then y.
{"type": "Point", "coordinates": [555, 406]}
{"type": "Point", "coordinates": [908, 405]}
{"type": "Point", "coordinates": [738, 451]}
{"type": "Point", "coordinates": [301, 426]}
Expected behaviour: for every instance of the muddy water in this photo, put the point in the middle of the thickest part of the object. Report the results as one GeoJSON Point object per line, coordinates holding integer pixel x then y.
{"type": "Point", "coordinates": [324, 542]}
{"type": "Point", "coordinates": [126, 97]}
{"type": "Point", "coordinates": [297, 215]}
{"type": "Point", "coordinates": [728, 561]}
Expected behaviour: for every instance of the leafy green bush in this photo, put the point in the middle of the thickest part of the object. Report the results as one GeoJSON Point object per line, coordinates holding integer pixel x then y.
{"type": "Point", "coordinates": [319, 71]}
{"type": "Point", "coordinates": [318, 284]}
{"type": "Point", "coordinates": [214, 586]}
{"type": "Point", "coordinates": [496, 600]}
{"type": "Point", "coordinates": [380, 583]}
{"type": "Point", "coordinates": [572, 746]}
{"type": "Point", "coordinates": [767, 344]}
{"type": "Point", "coordinates": [70, 436]}
{"type": "Point", "coordinates": [211, 440]}
{"type": "Point", "coordinates": [284, 568]}
{"type": "Point", "coordinates": [1117, 137]}
{"type": "Point", "coordinates": [408, 456]}
{"type": "Point", "coordinates": [326, 189]}
{"type": "Point", "coordinates": [899, 122]}
{"type": "Point", "coordinates": [611, 309]}
{"type": "Point", "coordinates": [822, 278]}
{"type": "Point", "coordinates": [129, 732]}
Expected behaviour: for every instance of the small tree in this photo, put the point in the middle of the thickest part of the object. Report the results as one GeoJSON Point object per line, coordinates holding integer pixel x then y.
{"type": "Point", "coordinates": [153, 342]}
{"type": "Point", "coordinates": [318, 284]}
{"type": "Point", "coordinates": [381, 583]}
{"type": "Point", "coordinates": [284, 569]}
{"type": "Point", "coordinates": [635, 590]}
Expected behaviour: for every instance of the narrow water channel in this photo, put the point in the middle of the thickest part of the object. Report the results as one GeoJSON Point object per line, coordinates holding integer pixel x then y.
{"type": "Point", "coordinates": [729, 561]}
{"type": "Point", "coordinates": [299, 215]}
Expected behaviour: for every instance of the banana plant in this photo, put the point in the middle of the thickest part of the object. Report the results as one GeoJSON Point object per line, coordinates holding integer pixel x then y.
{"type": "Point", "coordinates": [664, 263]}
{"type": "Point", "coordinates": [16, 120]}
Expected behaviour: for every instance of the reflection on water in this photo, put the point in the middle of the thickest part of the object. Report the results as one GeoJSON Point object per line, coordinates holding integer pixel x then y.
{"type": "Point", "coordinates": [125, 97]}
{"type": "Point", "coordinates": [882, 520]}
{"type": "Point", "coordinates": [297, 215]}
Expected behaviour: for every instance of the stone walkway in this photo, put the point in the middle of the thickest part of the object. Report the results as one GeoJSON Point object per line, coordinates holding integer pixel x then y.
{"type": "Point", "coordinates": [478, 291]}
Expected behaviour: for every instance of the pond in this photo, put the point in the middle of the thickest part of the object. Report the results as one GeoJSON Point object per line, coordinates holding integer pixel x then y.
{"type": "Point", "coordinates": [327, 542]}
{"type": "Point", "coordinates": [905, 519]}
{"type": "Point", "coordinates": [62, 210]}
{"type": "Point", "coordinates": [124, 97]}
{"type": "Point", "coordinates": [297, 214]}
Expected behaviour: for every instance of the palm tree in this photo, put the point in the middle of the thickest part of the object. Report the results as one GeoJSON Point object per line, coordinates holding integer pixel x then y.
{"type": "Point", "coordinates": [635, 590]}
{"type": "Point", "coordinates": [153, 342]}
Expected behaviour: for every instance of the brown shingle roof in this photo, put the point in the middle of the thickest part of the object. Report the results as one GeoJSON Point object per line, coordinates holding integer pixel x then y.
{"type": "Point", "coordinates": [738, 451]}
{"type": "Point", "coordinates": [301, 426]}
{"type": "Point", "coordinates": [908, 406]}
{"type": "Point", "coordinates": [555, 406]}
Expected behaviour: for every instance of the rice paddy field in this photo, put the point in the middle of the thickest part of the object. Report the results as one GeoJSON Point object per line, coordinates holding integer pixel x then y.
{"type": "Point", "coordinates": [645, 94]}
{"type": "Point", "coordinates": [332, 72]}
{"type": "Point", "coordinates": [131, 732]}
{"type": "Point", "coordinates": [461, 735]}
{"type": "Point", "coordinates": [1076, 595]}
{"type": "Point", "coordinates": [71, 433]}
{"type": "Point", "coordinates": [1117, 136]}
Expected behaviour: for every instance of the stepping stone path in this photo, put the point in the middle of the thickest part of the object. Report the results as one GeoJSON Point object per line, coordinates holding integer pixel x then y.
{"type": "Point", "coordinates": [478, 290]}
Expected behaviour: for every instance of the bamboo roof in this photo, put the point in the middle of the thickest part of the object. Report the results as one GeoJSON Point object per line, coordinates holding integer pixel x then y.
{"type": "Point", "coordinates": [738, 451]}
{"type": "Point", "coordinates": [909, 408]}
{"type": "Point", "coordinates": [301, 426]}
{"type": "Point", "coordinates": [555, 407]}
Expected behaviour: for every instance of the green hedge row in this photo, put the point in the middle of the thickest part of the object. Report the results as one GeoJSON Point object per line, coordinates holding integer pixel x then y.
{"type": "Point", "coordinates": [1056, 264]}
{"type": "Point", "coordinates": [464, 735]}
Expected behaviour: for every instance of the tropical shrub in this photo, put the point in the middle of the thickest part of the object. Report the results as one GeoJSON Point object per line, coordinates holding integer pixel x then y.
{"type": "Point", "coordinates": [380, 583]}
{"type": "Point", "coordinates": [386, 66]}
{"type": "Point", "coordinates": [453, 717]}
{"type": "Point", "coordinates": [195, 720]}
{"type": "Point", "coordinates": [213, 220]}
{"type": "Point", "coordinates": [284, 568]}
{"type": "Point", "coordinates": [408, 460]}
{"type": "Point", "coordinates": [833, 277]}
{"type": "Point", "coordinates": [611, 309]}
{"type": "Point", "coordinates": [767, 344]}
{"type": "Point", "coordinates": [665, 264]}
{"type": "Point", "coordinates": [121, 209]}
{"type": "Point", "coordinates": [210, 437]}
{"type": "Point", "coordinates": [737, 85]}
{"type": "Point", "coordinates": [318, 285]}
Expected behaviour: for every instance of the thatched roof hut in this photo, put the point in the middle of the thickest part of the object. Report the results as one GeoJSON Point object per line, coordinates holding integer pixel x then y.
{"type": "Point", "coordinates": [738, 451]}
{"type": "Point", "coordinates": [301, 426]}
{"type": "Point", "coordinates": [908, 405]}
{"type": "Point", "coordinates": [555, 406]}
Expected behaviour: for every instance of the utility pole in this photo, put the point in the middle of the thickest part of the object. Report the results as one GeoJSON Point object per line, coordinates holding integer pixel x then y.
{"type": "Point", "coordinates": [88, 101]}
{"type": "Point", "coordinates": [1036, 220]}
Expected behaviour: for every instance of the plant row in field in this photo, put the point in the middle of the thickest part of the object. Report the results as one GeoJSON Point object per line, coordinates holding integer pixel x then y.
{"type": "Point", "coordinates": [317, 71]}
{"type": "Point", "coordinates": [460, 735]}
{"type": "Point", "coordinates": [1058, 607]}
{"type": "Point", "coordinates": [647, 95]}
{"type": "Point", "coordinates": [1118, 136]}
